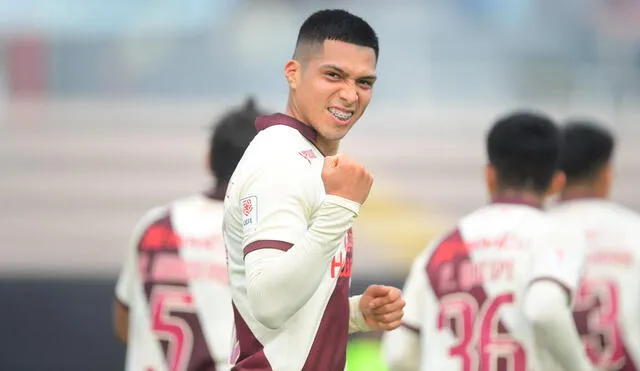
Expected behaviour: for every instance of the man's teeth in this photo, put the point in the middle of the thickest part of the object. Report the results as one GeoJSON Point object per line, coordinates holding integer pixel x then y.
{"type": "Point", "coordinates": [340, 115]}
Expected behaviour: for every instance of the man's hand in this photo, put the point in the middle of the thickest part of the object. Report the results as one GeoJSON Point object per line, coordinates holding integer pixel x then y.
{"type": "Point", "coordinates": [382, 307]}
{"type": "Point", "coordinates": [346, 178]}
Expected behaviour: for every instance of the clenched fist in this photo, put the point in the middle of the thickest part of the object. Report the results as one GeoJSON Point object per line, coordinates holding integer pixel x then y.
{"type": "Point", "coordinates": [346, 178]}
{"type": "Point", "coordinates": [382, 307]}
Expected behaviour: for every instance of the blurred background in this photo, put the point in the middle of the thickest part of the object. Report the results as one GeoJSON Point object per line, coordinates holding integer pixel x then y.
{"type": "Point", "coordinates": [105, 109]}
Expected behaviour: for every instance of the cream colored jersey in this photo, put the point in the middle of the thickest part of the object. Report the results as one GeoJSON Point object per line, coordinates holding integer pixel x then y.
{"type": "Point", "coordinates": [465, 292]}
{"type": "Point", "coordinates": [607, 307]}
{"type": "Point", "coordinates": [271, 202]}
{"type": "Point", "coordinates": [175, 284]}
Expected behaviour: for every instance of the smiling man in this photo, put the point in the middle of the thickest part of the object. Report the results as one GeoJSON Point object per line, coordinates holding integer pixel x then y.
{"type": "Point", "coordinates": [290, 207]}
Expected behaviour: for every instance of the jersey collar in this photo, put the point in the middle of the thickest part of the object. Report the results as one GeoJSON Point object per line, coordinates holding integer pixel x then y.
{"type": "Point", "coordinates": [263, 122]}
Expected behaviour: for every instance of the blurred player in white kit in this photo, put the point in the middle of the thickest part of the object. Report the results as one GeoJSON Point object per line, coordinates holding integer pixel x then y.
{"type": "Point", "coordinates": [173, 304]}
{"type": "Point", "coordinates": [495, 293]}
{"type": "Point", "coordinates": [607, 307]}
{"type": "Point", "coordinates": [290, 207]}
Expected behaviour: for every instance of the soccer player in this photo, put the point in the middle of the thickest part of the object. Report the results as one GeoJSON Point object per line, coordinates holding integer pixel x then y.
{"type": "Point", "coordinates": [173, 304]}
{"type": "Point", "coordinates": [607, 304]}
{"type": "Point", "coordinates": [495, 292]}
{"type": "Point", "coordinates": [290, 206]}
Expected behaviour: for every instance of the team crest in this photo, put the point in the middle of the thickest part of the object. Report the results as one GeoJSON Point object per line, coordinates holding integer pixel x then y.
{"type": "Point", "coordinates": [247, 206]}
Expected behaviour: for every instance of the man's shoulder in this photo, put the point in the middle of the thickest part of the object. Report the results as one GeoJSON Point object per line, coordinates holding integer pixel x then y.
{"type": "Point", "coordinates": [154, 215]}
{"type": "Point", "coordinates": [510, 218]}
{"type": "Point", "coordinates": [624, 215]}
{"type": "Point", "coordinates": [165, 211]}
{"type": "Point", "coordinates": [196, 204]}
{"type": "Point", "coordinates": [281, 145]}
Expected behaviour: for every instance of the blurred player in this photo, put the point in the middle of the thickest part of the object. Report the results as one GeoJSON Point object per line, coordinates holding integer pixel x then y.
{"type": "Point", "coordinates": [495, 293]}
{"type": "Point", "coordinates": [173, 304]}
{"type": "Point", "coordinates": [607, 307]}
{"type": "Point", "coordinates": [289, 211]}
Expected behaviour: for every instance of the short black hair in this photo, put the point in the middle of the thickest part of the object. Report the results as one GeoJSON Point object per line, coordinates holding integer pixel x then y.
{"type": "Point", "coordinates": [524, 148]}
{"type": "Point", "coordinates": [230, 137]}
{"type": "Point", "coordinates": [586, 147]}
{"type": "Point", "coordinates": [338, 25]}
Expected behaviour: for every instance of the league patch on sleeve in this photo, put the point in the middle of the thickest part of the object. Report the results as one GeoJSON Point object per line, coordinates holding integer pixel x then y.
{"type": "Point", "coordinates": [249, 208]}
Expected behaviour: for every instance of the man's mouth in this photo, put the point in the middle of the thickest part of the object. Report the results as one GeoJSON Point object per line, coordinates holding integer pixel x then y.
{"type": "Point", "coordinates": [339, 114]}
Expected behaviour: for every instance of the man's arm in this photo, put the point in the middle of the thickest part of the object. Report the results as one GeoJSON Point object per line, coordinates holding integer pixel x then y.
{"type": "Point", "coordinates": [126, 279]}
{"type": "Point", "coordinates": [121, 321]}
{"type": "Point", "coordinates": [401, 346]}
{"type": "Point", "coordinates": [357, 322]}
{"type": "Point", "coordinates": [285, 257]}
{"type": "Point", "coordinates": [557, 268]}
{"type": "Point", "coordinates": [123, 297]}
{"type": "Point", "coordinates": [274, 275]}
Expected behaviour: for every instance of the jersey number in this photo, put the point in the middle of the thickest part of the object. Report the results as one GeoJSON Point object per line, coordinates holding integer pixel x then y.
{"type": "Point", "coordinates": [597, 304]}
{"type": "Point", "coordinates": [166, 302]}
{"type": "Point", "coordinates": [480, 343]}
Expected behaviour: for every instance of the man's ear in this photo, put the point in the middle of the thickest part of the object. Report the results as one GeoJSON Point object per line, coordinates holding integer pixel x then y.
{"type": "Point", "coordinates": [292, 72]}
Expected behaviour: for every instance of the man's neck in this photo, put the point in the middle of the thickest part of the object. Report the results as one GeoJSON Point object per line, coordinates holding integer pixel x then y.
{"type": "Point", "coordinates": [218, 192]}
{"type": "Point", "coordinates": [581, 191]}
{"type": "Point", "coordinates": [327, 147]}
{"type": "Point", "coordinates": [522, 196]}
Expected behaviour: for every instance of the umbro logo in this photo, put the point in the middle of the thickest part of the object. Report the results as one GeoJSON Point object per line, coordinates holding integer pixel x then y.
{"type": "Point", "coordinates": [308, 154]}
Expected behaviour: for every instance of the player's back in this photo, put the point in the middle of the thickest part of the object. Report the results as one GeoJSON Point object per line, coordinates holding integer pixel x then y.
{"type": "Point", "coordinates": [179, 301]}
{"type": "Point", "coordinates": [476, 279]}
{"type": "Point", "coordinates": [607, 307]}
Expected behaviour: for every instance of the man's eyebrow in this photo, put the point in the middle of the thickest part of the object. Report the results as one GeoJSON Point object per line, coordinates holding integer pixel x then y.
{"type": "Point", "coordinates": [343, 72]}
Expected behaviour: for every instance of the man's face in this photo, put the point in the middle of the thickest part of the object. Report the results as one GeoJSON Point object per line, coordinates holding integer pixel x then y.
{"type": "Point", "coordinates": [335, 87]}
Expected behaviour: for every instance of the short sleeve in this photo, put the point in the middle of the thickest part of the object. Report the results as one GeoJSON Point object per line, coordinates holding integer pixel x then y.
{"type": "Point", "coordinates": [414, 293]}
{"type": "Point", "coordinates": [276, 203]}
{"type": "Point", "coordinates": [559, 256]}
{"type": "Point", "coordinates": [127, 278]}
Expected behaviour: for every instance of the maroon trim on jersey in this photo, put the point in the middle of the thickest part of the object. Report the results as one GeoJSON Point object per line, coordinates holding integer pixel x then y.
{"type": "Point", "coordinates": [411, 328]}
{"type": "Point", "coordinates": [263, 122]}
{"type": "Point", "coordinates": [159, 239]}
{"type": "Point", "coordinates": [445, 265]}
{"type": "Point", "coordinates": [251, 355]}
{"type": "Point", "coordinates": [515, 201]}
{"type": "Point", "coordinates": [267, 244]}
{"type": "Point", "coordinates": [329, 349]}
{"type": "Point", "coordinates": [566, 288]}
